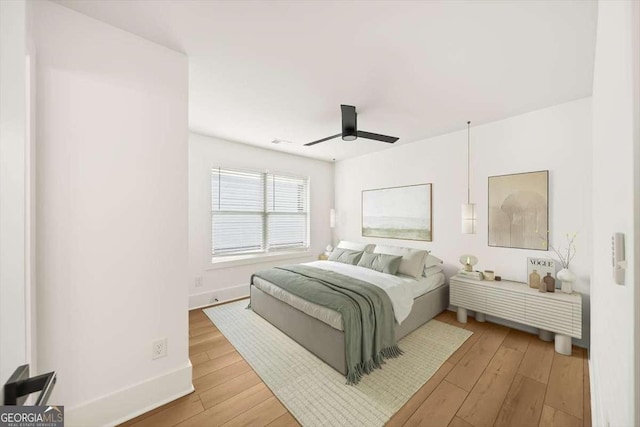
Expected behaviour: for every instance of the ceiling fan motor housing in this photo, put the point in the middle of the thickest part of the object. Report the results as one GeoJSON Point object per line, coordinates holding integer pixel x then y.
{"type": "Point", "coordinates": [349, 123]}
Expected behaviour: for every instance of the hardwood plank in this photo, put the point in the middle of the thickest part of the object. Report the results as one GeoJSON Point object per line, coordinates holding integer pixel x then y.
{"type": "Point", "coordinates": [201, 323]}
{"type": "Point", "coordinates": [206, 345]}
{"type": "Point", "coordinates": [200, 330]}
{"type": "Point", "coordinates": [473, 363]}
{"type": "Point", "coordinates": [523, 405]}
{"type": "Point", "coordinates": [464, 348]}
{"type": "Point", "coordinates": [537, 360]}
{"type": "Point", "coordinates": [474, 326]}
{"type": "Point", "coordinates": [196, 315]}
{"type": "Point", "coordinates": [230, 408]}
{"type": "Point", "coordinates": [260, 415]}
{"type": "Point", "coordinates": [229, 389]}
{"type": "Point", "coordinates": [173, 414]}
{"type": "Point", "coordinates": [197, 359]}
{"type": "Point", "coordinates": [421, 395]}
{"type": "Point", "coordinates": [440, 407]}
{"type": "Point", "coordinates": [154, 411]}
{"type": "Point", "coordinates": [586, 400]}
{"type": "Point", "coordinates": [210, 335]}
{"type": "Point", "coordinates": [221, 348]}
{"type": "Point", "coordinates": [448, 316]}
{"type": "Point", "coordinates": [485, 399]}
{"type": "Point", "coordinates": [215, 364]}
{"type": "Point", "coordinates": [459, 422]}
{"type": "Point", "coordinates": [552, 417]}
{"type": "Point", "coordinates": [285, 420]}
{"type": "Point", "coordinates": [518, 340]}
{"type": "Point", "coordinates": [220, 376]}
{"type": "Point", "coordinates": [565, 389]}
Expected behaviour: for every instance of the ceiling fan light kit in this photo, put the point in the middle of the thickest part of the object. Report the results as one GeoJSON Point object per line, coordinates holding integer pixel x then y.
{"type": "Point", "coordinates": [350, 130]}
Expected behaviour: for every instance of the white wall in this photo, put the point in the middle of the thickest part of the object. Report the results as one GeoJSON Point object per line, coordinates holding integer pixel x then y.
{"type": "Point", "coordinates": [556, 138]}
{"type": "Point", "coordinates": [206, 153]}
{"type": "Point", "coordinates": [614, 110]}
{"type": "Point", "coordinates": [13, 146]}
{"type": "Point", "coordinates": [112, 230]}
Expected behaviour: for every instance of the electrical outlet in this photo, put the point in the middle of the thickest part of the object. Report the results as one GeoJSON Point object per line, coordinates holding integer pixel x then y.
{"type": "Point", "coordinates": [159, 348]}
{"type": "Point", "coordinates": [198, 282]}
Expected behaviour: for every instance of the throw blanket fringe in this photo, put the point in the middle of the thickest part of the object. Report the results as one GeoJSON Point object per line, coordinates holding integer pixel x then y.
{"type": "Point", "coordinates": [354, 374]}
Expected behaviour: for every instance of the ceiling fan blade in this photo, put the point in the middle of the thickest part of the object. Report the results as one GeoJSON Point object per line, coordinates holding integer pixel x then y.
{"type": "Point", "coordinates": [322, 140]}
{"type": "Point", "coordinates": [377, 137]}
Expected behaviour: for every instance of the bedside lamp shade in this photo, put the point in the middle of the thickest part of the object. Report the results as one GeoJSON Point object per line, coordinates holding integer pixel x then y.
{"type": "Point", "coordinates": [468, 215]}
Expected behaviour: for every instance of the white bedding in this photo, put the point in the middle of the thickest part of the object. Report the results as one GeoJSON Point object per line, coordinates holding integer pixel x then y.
{"type": "Point", "coordinates": [401, 291]}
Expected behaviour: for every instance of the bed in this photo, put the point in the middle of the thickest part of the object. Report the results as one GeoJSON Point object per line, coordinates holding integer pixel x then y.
{"type": "Point", "coordinates": [319, 329]}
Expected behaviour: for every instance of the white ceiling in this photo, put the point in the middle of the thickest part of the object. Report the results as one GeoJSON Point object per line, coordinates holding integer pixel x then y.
{"type": "Point", "coordinates": [264, 70]}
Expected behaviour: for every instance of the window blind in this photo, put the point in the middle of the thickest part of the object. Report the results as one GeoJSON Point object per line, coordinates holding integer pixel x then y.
{"type": "Point", "coordinates": [257, 212]}
{"type": "Point", "coordinates": [286, 212]}
{"type": "Point", "coordinates": [238, 211]}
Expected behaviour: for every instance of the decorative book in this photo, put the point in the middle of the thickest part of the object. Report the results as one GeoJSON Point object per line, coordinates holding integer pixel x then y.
{"type": "Point", "coordinates": [477, 275]}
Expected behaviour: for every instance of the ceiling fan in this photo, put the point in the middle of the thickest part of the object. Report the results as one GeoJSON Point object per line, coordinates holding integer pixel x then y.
{"type": "Point", "coordinates": [350, 130]}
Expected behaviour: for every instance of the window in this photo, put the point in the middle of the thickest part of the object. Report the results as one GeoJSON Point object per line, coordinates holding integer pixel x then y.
{"type": "Point", "coordinates": [256, 212]}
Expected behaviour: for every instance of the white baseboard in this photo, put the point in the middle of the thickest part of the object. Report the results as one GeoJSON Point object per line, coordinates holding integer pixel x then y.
{"type": "Point", "coordinates": [128, 403]}
{"type": "Point", "coordinates": [209, 297]}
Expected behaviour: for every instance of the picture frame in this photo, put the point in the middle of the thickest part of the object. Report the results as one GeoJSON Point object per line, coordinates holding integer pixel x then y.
{"type": "Point", "coordinates": [518, 210]}
{"type": "Point", "coordinates": [403, 212]}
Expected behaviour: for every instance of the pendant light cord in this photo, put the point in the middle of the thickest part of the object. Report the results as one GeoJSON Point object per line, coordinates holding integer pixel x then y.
{"type": "Point", "coordinates": [468, 162]}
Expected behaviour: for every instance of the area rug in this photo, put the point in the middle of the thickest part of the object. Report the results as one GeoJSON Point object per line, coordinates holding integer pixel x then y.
{"type": "Point", "coordinates": [316, 394]}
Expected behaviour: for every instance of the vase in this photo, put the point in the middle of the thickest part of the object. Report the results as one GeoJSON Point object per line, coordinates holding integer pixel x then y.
{"type": "Point", "coordinates": [542, 286]}
{"type": "Point", "coordinates": [534, 280]}
{"type": "Point", "coordinates": [549, 282]}
{"type": "Point", "coordinates": [567, 278]}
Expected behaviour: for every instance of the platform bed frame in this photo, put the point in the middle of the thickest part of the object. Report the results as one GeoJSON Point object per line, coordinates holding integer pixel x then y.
{"type": "Point", "coordinates": [326, 342]}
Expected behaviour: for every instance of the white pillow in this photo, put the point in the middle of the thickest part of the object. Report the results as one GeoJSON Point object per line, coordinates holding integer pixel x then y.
{"type": "Point", "coordinates": [430, 271]}
{"type": "Point", "coordinates": [431, 261]}
{"type": "Point", "coordinates": [356, 246]}
{"type": "Point", "coordinates": [412, 262]}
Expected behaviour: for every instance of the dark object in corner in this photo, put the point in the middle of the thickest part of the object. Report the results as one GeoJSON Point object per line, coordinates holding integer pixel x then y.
{"type": "Point", "coordinates": [350, 130]}
{"type": "Point", "coordinates": [19, 386]}
{"type": "Point", "coordinates": [497, 278]}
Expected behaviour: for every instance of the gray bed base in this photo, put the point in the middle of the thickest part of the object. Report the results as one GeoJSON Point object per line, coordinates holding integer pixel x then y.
{"type": "Point", "coordinates": [326, 342]}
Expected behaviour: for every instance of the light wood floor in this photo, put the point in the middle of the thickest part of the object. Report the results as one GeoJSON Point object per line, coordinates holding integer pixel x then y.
{"type": "Point", "coordinates": [499, 376]}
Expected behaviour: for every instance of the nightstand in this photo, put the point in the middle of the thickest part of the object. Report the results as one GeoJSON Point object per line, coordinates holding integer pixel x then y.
{"type": "Point", "coordinates": [550, 312]}
{"type": "Point", "coordinates": [323, 257]}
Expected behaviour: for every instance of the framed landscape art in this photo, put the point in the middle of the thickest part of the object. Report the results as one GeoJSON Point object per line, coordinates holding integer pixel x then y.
{"type": "Point", "coordinates": [398, 212]}
{"type": "Point", "coordinates": [519, 210]}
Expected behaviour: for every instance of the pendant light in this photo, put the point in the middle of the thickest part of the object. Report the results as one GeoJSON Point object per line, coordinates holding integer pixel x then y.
{"type": "Point", "coordinates": [468, 211]}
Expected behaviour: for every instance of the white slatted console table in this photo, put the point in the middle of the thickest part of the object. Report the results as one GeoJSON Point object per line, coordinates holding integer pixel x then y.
{"type": "Point", "coordinates": [550, 312]}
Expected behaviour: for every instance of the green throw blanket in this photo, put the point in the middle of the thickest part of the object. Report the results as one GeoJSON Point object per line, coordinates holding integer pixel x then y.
{"type": "Point", "coordinates": [367, 313]}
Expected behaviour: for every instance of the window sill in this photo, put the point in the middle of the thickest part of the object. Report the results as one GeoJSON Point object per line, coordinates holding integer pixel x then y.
{"type": "Point", "coordinates": [233, 261]}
